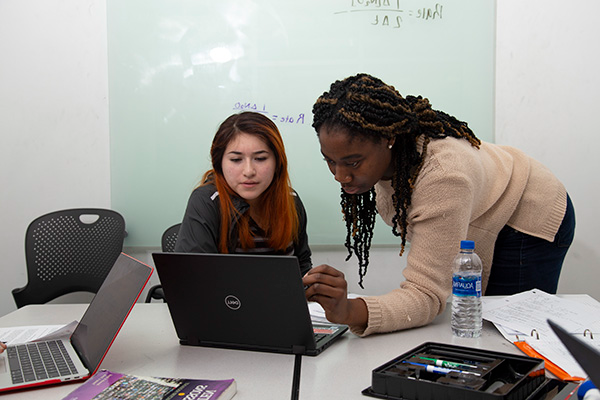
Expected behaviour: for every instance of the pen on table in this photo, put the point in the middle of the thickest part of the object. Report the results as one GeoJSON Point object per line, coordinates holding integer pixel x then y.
{"type": "Point", "coordinates": [440, 370]}
{"type": "Point", "coordinates": [447, 364]}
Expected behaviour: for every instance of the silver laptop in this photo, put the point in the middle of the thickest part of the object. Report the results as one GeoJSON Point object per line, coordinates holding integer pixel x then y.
{"type": "Point", "coordinates": [249, 302]}
{"type": "Point", "coordinates": [51, 362]}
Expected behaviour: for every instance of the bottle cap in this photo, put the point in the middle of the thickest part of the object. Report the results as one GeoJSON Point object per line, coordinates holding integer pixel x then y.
{"type": "Point", "coordinates": [585, 388]}
{"type": "Point", "coordinates": [467, 244]}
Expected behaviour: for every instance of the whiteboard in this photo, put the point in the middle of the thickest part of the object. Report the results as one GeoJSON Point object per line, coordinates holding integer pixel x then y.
{"type": "Point", "coordinates": [178, 68]}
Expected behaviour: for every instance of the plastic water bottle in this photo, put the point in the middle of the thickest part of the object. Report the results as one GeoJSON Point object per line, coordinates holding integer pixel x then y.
{"type": "Point", "coordinates": [466, 292]}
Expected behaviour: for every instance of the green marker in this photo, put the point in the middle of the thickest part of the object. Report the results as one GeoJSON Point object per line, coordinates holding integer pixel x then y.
{"type": "Point", "coordinates": [447, 364]}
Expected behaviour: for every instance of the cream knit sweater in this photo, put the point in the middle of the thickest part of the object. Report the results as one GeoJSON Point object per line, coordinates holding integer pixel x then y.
{"type": "Point", "coordinates": [461, 193]}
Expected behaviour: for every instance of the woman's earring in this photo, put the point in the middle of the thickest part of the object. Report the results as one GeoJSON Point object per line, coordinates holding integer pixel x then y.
{"type": "Point", "coordinates": [390, 146]}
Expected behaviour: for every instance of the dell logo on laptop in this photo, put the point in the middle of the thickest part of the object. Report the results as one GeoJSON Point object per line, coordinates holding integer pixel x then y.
{"type": "Point", "coordinates": [233, 302]}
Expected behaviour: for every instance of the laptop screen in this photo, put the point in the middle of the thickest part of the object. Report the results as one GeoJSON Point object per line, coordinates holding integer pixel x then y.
{"type": "Point", "coordinates": [109, 309]}
{"type": "Point", "coordinates": [258, 301]}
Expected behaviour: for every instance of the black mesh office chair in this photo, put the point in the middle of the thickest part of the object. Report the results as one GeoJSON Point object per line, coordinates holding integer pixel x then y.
{"type": "Point", "coordinates": [169, 238]}
{"type": "Point", "coordinates": [69, 251]}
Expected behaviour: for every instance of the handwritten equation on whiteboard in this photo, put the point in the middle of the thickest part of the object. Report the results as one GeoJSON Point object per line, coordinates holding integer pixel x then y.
{"type": "Point", "coordinates": [284, 118]}
{"type": "Point", "coordinates": [390, 13]}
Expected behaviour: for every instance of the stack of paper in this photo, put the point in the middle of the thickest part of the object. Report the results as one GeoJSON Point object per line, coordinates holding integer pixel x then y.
{"type": "Point", "coordinates": [25, 334]}
{"type": "Point", "coordinates": [522, 318]}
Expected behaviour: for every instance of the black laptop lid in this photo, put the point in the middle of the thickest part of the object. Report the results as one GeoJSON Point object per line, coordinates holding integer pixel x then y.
{"type": "Point", "coordinates": [587, 356]}
{"type": "Point", "coordinates": [236, 301]}
{"type": "Point", "coordinates": [109, 309]}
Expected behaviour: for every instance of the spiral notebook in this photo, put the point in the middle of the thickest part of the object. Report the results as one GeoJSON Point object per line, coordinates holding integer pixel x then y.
{"type": "Point", "coordinates": [522, 320]}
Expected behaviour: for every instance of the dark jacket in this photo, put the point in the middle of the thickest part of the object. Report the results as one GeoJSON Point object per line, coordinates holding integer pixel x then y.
{"type": "Point", "coordinates": [201, 225]}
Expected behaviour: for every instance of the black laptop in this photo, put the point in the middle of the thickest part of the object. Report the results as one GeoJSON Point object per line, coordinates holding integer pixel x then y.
{"type": "Point", "coordinates": [587, 356]}
{"type": "Point", "coordinates": [249, 302]}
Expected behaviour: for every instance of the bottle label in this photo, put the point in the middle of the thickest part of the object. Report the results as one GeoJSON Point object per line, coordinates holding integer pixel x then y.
{"type": "Point", "coordinates": [466, 285]}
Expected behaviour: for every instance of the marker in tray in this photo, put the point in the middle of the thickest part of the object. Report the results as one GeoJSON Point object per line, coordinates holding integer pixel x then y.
{"type": "Point", "coordinates": [440, 370]}
{"type": "Point", "coordinates": [447, 364]}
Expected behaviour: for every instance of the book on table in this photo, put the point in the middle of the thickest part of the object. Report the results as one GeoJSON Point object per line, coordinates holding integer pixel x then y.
{"type": "Point", "coordinates": [113, 385]}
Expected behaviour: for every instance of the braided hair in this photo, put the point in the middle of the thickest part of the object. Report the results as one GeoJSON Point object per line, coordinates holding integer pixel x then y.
{"type": "Point", "coordinates": [364, 106]}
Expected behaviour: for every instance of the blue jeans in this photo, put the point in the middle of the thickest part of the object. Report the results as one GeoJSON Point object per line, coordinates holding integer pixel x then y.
{"type": "Point", "coordinates": [523, 262]}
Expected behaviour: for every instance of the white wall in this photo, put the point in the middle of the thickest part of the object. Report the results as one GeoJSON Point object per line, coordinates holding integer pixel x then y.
{"type": "Point", "coordinates": [54, 141]}
{"type": "Point", "coordinates": [547, 99]}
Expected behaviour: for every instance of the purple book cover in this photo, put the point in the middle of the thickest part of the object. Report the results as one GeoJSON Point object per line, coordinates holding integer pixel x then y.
{"type": "Point", "coordinates": [205, 389]}
{"type": "Point", "coordinates": [94, 385]}
{"type": "Point", "coordinates": [111, 385]}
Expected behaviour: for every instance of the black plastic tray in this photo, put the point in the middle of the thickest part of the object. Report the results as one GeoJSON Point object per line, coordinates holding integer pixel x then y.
{"type": "Point", "coordinates": [490, 376]}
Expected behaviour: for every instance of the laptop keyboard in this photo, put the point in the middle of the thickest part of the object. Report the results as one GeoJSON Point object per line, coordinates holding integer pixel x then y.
{"type": "Point", "coordinates": [35, 361]}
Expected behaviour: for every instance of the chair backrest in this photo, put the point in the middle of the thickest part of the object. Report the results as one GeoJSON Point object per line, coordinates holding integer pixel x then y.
{"type": "Point", "coordinates": [169, 238]}
{"type": "Point", "coordinates": [70, 251]}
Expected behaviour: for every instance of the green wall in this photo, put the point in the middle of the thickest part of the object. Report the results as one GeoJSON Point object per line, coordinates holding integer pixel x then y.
{"type": "Point", "coordinates": [178, 68]}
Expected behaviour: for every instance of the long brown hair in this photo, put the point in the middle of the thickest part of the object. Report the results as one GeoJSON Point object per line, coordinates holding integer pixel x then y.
{"type": "Point", "coordinates": [277, 201]}
{"type": "Point", "coordinates": [364, 106]}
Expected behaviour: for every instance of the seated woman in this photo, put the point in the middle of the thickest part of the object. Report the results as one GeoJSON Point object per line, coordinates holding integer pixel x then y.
{"type": "Point", "coordinates": [245, 203]}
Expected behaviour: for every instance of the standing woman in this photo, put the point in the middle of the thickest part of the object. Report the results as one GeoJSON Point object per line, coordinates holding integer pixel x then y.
{"type": "Point", "coordinates": [435, 183]}
{"type": "Point", "coordinates": [245, 203]}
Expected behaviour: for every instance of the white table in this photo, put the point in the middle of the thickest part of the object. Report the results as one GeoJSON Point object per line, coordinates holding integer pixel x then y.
{"type": "Point", "coordinates": [147, 345]}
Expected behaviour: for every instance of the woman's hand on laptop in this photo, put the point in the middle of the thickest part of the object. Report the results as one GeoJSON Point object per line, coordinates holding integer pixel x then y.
{"type": "Point", "coordinates": [2, 346]}
{"type": "Point", "coordinates": [328, 287]}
